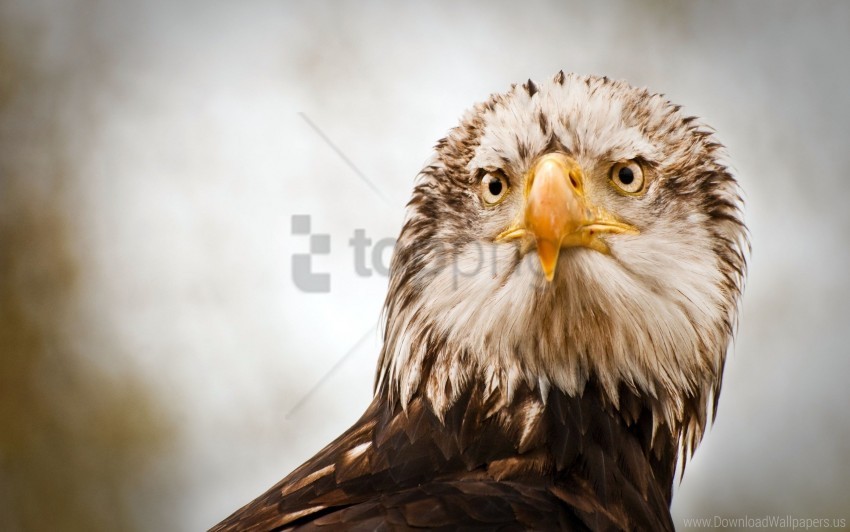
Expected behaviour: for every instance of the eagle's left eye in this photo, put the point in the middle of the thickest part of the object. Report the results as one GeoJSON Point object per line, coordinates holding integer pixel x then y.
{"type": "Point", "coordinates": [494, 187]}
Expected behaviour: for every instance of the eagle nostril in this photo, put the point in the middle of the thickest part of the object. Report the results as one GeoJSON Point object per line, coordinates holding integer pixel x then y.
{"type": "Point", "coordinates": [574, 182]}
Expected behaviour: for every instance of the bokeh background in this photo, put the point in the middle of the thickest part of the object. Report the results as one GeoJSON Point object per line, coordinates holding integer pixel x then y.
{"type": "Point", "coordinates": [159, 366]}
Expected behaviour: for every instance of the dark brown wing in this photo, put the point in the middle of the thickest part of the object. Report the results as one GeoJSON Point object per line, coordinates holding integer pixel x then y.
{"type": "Point", "coordinates": [569, 462]}
{"type": "Point", "coordinates": [312, 488]}
{"type": "Point", "coordinates": [453, 505]}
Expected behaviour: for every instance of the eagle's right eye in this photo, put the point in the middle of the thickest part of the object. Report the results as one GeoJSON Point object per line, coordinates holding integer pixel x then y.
{"type": "Point", "coordinates": [494, 187]}
{"type": "Point", "coordinates": [628, 177]}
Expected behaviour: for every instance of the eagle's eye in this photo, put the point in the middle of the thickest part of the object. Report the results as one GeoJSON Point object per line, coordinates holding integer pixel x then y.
{"type": "Point", "coordinates": [628, 177]}
{"type": "Point", "coordinates": [494, 187]}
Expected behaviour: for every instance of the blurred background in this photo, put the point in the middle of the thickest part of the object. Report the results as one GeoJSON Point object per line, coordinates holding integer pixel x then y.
{"type": "Point", "coordinates": [158, 365]}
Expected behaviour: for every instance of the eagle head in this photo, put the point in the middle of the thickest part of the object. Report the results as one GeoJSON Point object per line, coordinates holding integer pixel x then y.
{"type": "Point", "coordinates": [573, 230]}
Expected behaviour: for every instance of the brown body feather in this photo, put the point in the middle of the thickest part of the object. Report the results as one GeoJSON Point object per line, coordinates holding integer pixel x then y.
{"type": "Point", "coordinates": [574, 463]}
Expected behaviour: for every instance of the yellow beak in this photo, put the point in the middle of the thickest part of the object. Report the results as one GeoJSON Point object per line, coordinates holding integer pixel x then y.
{"type": "Point", "coordinates": [556, 214]}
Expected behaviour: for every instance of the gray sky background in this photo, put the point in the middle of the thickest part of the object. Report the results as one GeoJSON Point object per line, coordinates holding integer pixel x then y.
{"type": "Point", "coordinates": [152, 155]}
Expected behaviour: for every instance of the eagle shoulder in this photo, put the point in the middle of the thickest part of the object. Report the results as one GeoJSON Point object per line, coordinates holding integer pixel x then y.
{"type": "Point", "coordinates": [574, 463]}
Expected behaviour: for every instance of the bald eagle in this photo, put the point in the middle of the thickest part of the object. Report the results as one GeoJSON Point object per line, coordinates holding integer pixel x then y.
{"type": "Point", "coordinates": [561, 300]}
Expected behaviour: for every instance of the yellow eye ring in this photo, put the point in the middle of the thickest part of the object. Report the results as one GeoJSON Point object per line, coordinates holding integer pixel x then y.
{"type": "Point", "coordinates": [628, 178]}
{"type": "Point", "coordinates": [494, 188]}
